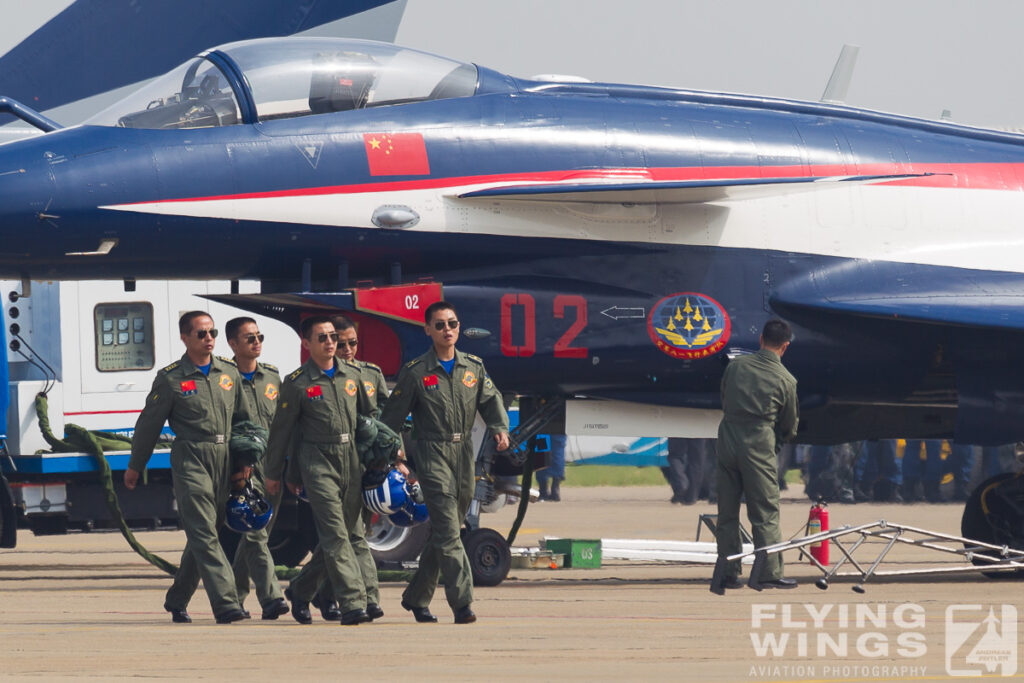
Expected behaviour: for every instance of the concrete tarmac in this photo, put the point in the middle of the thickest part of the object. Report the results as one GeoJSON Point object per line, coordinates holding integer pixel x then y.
{"type": "Point", "coordinates": [84, 606]}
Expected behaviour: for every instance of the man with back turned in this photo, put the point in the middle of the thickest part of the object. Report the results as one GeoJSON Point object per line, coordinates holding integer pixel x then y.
{"type": "Point", "coordinates": [759, 413]}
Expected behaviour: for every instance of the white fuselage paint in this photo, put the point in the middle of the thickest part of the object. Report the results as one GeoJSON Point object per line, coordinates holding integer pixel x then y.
{"type": "Point", "coordinates": [959, 228]}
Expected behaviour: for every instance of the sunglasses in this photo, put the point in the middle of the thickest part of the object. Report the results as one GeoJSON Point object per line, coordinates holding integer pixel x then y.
{"type": "Point", "coordinates": [452, 325]}
{"type": "Point", "coordinates": [253, 338]}
{"type": "Point", "coordinates": [323, 336]}
{"type": "Point", "coordinates": [352, 343]}
{"type": "Point", "coordinates": [201, 334]}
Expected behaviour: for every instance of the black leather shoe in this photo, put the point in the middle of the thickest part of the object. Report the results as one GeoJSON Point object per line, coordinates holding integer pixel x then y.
{"type": "Point", "coordinates": [374, 610]}
{"type": "Point", "coordinates": [245, 613]}
{"type": "Point", "coordinates": [732, 582]}
{"type": "Point", "coordinates": [329, 609]}
{"type": "Point", "coordinates": [232, 615]}
{"type": "Point", "coordinates": [300, 608]}
{"type": "Point", "coordinates": [275, 609]}
{"type": "Point", "coordinates": [355, 616]}
{"type": "Point", "coordinates": [779, 583]}
{"type": "Point", "coordinates": [178, 616]}
{"type": "Point", "coordinates": [422, 614]}
{"type": "Point", "coordinates": [464, 615]}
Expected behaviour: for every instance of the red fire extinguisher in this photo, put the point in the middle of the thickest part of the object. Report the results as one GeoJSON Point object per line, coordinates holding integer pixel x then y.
{"type": "Point", "coordinates": [817, 521]}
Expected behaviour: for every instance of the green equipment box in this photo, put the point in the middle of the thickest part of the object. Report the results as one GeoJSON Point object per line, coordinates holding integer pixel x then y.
{"type": "Point", "coordinates": [579, 553]}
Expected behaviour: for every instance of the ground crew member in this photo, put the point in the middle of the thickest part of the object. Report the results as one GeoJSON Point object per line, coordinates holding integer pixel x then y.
{"type": "Point", "coordinates": [759, 407]}
{"type": "Point", "coordinates": [262, 384]}
{"type": "Point", "coordinates": [313, 575]}
{"type": "Point", "coordinates": [321, 400]}
{"type": "Point", "coordinates": [201, 395]}
{"type": "Point", "coordinates": [443, 389]}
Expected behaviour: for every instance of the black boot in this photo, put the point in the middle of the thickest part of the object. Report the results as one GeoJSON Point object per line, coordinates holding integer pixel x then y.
{"type": "Point", "coordinates": [543, 486]}
{"type": "Point", "coordinates": [555, 492]}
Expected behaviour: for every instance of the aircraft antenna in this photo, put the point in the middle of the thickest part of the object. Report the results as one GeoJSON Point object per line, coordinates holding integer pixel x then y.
{"type": "Point", "coordinates": [839, 82]}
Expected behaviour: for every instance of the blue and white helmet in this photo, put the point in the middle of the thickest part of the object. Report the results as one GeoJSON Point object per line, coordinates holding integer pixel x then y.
{"type": "Point", "coordinates": [385, 491]}
{"type": "Point", "coordinates": [247, 510]}
{"type": "Point", "coordinates": [411, 514]}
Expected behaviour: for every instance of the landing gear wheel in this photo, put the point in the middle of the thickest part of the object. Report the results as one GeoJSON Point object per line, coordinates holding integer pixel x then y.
{"type": "Point", "coordinates": [391, 543]}
{"type": "Point", "coordinates": [992, 514]}
{"type": "Point", "coordinates": [489, 556]}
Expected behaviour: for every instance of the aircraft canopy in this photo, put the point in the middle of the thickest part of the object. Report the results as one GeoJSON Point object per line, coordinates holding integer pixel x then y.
{"type": "Point", "coordinates": [285, 78]}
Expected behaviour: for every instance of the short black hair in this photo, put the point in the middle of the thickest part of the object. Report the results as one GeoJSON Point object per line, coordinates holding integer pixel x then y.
{"type": "Point", "coordinates": [235, 324]}
{"type": "Point", "coordinates": [185, 321]}
{"type": "Point", "coordinates": [435, 307]}
{"type": "Point", "coordinates": [776, 333]}
{"type": "Point", "coordinates": [309, 323]}
{"type": "Point", "coordinates": [342, 323]}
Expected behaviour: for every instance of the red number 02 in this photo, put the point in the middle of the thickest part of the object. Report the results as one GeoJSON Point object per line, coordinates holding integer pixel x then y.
{"type": "Point", "coordinates": [562, 348]}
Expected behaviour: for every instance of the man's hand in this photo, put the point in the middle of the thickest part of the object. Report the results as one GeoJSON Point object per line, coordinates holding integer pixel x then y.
{"type": "Point", "coordinates": [502, 439]}
{"type": "Point", "coordinates": [273, 487]}
{"type": "Point", "coordinates": [401, 467]}
{"type": "Point", "coordinates": [294, 488]}
{"type": "Point", "coordinates": [131, 479]}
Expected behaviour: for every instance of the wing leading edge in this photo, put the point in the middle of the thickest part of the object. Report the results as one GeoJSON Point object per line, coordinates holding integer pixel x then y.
{"type": "Point", "coordinates": [677, 191]}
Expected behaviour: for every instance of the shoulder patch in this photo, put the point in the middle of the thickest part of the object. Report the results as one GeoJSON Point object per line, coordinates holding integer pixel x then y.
{"type": "Point", "coordinates": [372, 366]}
{"type": "Point", "coordinates": [295, 374]}
{"type": "Point", "coordinates": [475, 359]}
{"type": "Point", "coordinates": [228, 361]}
{"type": "Point", "coordinates": [413, 362]}
{"type": "Point", "coordinates": [171, 366]}
{"type": "Point", "coordinates": [272, 368]}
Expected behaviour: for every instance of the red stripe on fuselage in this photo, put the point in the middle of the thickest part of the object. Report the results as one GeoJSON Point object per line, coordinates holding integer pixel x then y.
{"type": "Point", "coordinates": [983, 176]}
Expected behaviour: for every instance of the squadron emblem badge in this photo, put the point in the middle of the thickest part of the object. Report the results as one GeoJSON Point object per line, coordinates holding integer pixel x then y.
{"type": "Point", "coordinates": [689, 325]}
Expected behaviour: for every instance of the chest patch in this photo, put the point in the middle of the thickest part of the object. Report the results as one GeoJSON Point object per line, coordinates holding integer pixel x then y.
{"type": "Point", "coordinates": [370, 389]}
{"type": "Point", "coordinates": [188, 388]}
{"type": "Point", "coordinates": [350, 387]}
{"type": "Point", "coordinates": [430, 383]}
{"type": "Point", "coordinates": [469, 379]}
{"type": "Point", "coordinates": [225, 383]}
{"type": "Point", "coordinates": [271, 392]}
{"type": "Point", "coordinates": [315, 393]}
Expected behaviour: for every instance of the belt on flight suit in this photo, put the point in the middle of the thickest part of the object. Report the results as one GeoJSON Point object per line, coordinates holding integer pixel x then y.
{"type": "Point", "coordinates": [332, 440]}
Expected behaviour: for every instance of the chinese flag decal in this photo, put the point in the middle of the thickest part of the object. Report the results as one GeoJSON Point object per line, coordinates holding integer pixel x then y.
{"type": "Point", "coordinates": [396, 154]}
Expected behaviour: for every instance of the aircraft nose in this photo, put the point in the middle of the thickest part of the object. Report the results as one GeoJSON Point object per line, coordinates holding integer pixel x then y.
{"type": "Point", "coordinates": [26, 193]}
{"type": "Point", "coordinates": [26, 188]}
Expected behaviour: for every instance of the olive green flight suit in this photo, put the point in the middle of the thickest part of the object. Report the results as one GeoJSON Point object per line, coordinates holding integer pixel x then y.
{"type": "Point", "coordinates": [443, 410]}
{"type": "Point", "coordinates": [252, 557]}
{"type": "Point", "coordinates": [201, 409]}
{"type": "Point", "coordinates": [759, 406]}
{"type": "Point", "coordinates": [323, 410]}
{"type": "Point", "coordinates": [312, 578]}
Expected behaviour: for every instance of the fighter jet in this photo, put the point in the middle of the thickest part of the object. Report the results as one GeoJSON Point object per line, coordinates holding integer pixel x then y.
{"type": "Point", "coordinates": [600, 240]}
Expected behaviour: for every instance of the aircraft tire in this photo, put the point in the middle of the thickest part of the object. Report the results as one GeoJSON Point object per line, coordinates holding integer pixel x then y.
{"type": "Point", "coordinates": [390, 543]}
{"type": "Point", "coordinates": [991, 528]}
{"type": "Point", "coordinates": [489, 556]}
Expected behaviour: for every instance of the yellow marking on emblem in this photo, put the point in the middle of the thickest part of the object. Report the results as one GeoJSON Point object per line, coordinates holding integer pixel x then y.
{"type": "Point", "coordinates": [271, 392]}
{"type": "Point", "coordinates": [350, 387]}
{"type": "Point", "coordinates": [225, 383]}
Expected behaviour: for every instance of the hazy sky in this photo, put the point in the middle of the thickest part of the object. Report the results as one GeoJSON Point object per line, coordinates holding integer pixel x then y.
{"type": "Point", "coordinates": [917, 57]}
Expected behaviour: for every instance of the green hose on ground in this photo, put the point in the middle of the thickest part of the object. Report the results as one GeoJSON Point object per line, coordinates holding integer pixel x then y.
{"type": "Point", "coordinates": [79, 439]}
